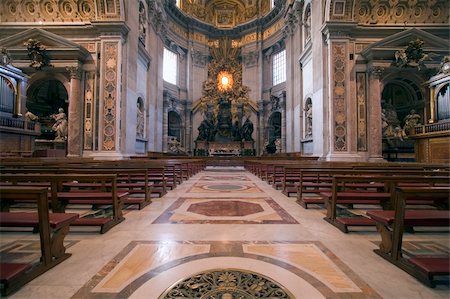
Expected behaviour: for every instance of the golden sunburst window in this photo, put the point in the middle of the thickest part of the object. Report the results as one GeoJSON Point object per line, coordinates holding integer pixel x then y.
{"type": "Point", "coordinates": [225, 81]}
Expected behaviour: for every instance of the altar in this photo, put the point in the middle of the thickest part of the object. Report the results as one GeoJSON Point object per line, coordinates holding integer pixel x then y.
{"type": "Point", "coordinates": [224, 149]}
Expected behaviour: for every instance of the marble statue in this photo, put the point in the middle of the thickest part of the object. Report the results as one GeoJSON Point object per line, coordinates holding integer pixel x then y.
{"type": "Point", "coordinates": [60, 126]}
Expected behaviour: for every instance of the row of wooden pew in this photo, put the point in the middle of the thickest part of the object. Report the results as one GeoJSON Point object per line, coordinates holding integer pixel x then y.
{"type": "Point", "coordinates": [56, 185]}
{"type": "Point", "coordinates": [397, 196]}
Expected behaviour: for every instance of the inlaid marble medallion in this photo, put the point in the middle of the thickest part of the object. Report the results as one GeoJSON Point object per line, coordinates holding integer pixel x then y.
{"type": "Point", "coordinates": [260, 210]}
{"type": "Point", "coordinates": [152, 269]}
{"type": "Point", "coordinates": [242, 187]}
{"type": "Point", "coordinates": [224, 178]}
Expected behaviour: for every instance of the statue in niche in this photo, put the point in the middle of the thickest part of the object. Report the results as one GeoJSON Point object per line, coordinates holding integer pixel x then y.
{"type": "Point", "coordinates": [60, 126]}
{"type": "Point", "coordinates": [140, 120]}
{"type": "Point", "coordinates": [308, 25]}
{"type": "Point", "coordinates": [411, 120]}
{"type": "Point", "coordinates": [247, 130]}
{"type": "Point", "coordinates": [308, 120]}
{"type": "Point", "coordinates": [391, 125]}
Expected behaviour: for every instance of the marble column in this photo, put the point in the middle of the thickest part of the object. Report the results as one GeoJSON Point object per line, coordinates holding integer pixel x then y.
{"type": "Point", "coordinates": [75, 118]}
{"type": "Point", "coordinates": [374, 106]}
{"type": "Point", "coordinates": [166, 98]}
{"type": "Point", "coordinates": [260, 128]}
{"type": "Point", "coordinates": [283, 122]}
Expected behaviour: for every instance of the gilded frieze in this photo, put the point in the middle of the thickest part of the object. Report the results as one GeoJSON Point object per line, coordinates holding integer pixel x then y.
{"type": "Point", "coordinates": [178, 30]}
{"type": "Point", "coordinates": [402, 11]}
{"type": "Point", "coordinates": [198, 37]}
{"type": "Point", "coordinates": [273, 29]}
{"type": "Point", "coordinates": [47, 11]}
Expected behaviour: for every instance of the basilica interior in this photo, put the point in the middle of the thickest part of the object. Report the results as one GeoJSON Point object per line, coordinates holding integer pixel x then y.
{"type": "Point", "coordinates": [227, 83]}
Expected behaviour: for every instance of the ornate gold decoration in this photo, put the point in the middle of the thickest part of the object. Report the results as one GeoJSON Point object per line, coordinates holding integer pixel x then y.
{"type": "Point", "coordinates": [110, 65]}
{"type": "Point", "coordinates": [224, 82]}
{"type": "Point", "coordinates": [226, 283]}
{"type": "Point", "coordinates": [339, 95]}
{"type": "Point", "coordinates": [402, 11]}
{"type": "Point", "coordinates": [48, 10]}
{"type": "Point", "coordinates": [225, 13]}
{"type": "Point", "coordinates": [361, 102]}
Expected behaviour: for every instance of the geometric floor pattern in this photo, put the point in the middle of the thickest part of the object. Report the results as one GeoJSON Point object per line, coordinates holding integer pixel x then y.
{"type": "Point", "coordinates": [224, 233]}
{"type": "Point", "coordinates": [309, 264]}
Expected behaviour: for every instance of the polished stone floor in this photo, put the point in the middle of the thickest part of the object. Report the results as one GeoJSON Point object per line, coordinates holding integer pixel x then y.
{"type": "Point", "coordinates": [226, 220]}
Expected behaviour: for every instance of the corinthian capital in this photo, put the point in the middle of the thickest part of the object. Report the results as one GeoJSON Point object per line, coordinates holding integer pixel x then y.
{"type": "Point", "coordinates": [377, 71]}
{"type": "Point", "coordinates": [74, 71]}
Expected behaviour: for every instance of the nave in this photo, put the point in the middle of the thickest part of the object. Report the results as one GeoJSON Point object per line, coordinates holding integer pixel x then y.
{"type": "Point", "coordinates": [226, 224]}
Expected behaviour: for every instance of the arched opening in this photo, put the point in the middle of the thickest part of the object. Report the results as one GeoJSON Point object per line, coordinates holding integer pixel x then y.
{"type": "Point", "coordinates": [403, 95]}
{"type": "Point", "coordinates": [275, 126]}
{"type": "Point", "coordinates": [174, 125]}
{"type": "Point", "coordinates": [402, 99]}
{"type": "Point", "coordinates": [44, 98]}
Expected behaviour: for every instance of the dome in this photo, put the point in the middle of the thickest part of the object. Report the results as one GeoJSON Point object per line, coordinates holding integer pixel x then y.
{"type": "Point", "coordinates": [224, 14]}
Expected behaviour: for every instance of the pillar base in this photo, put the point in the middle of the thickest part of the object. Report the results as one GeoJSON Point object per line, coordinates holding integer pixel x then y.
{"type": "Point", "coordinates": [344, 157]}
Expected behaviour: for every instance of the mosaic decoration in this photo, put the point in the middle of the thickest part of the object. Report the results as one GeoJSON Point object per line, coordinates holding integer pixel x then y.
{"type": "Point", "coordinates": [361, 110]}
{"type": "Point", "coordinates": [89, 110]}
{"type": "Point", "coordinates": [47, 11]}
{"type": "Point", "coordinates": [260, 210]}
{"type": "Point", "coordinates": [339, 77]}
{"type": "Point", "coordinates": [309, 261]}
{"type": "Point", "coordinates": [402, 12]}
{"type": "Point", "coordinates": [226, 284]}
{"type": "Point", "coordinates": [110, 66]}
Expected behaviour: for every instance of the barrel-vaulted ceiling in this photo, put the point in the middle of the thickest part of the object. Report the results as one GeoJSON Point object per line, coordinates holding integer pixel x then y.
{"type": "Point", "coordinates": [225, 13]}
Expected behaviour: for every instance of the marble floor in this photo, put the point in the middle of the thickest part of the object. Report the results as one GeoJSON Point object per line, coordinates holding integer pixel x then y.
{"type": "Point", "coordinates": [224, 233]}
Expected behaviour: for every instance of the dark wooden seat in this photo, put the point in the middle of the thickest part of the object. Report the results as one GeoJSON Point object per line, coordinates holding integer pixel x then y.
{"type": "Point", "coordinates": [61, 197]}
{"type": "Point", "coordinates": [31, 219]}
{"type": "Point", "coordinates": [52, 227]}
{"type": "Point", "coordinates": [364, 190]}
{"type": "Point", "coordinates": [391, 225]}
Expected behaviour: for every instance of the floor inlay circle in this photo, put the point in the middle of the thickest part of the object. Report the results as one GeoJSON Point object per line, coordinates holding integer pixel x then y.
{"type": "Point", "coordinates": [223, 187]}
{"type": "Point", "coordinates": [226, 284]}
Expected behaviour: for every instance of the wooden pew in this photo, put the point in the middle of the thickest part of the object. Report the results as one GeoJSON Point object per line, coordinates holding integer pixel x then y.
{"type": "Point", "coordinates": [317, 181]}
{"type": "Point", "coordinates": [61, 196]}
{"type": "Point", "coordinates": [392, 224]}
{"type": "Point", "coordinates": [52, 227]}
{"type": "Point", "coordinates": [365, 190]}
